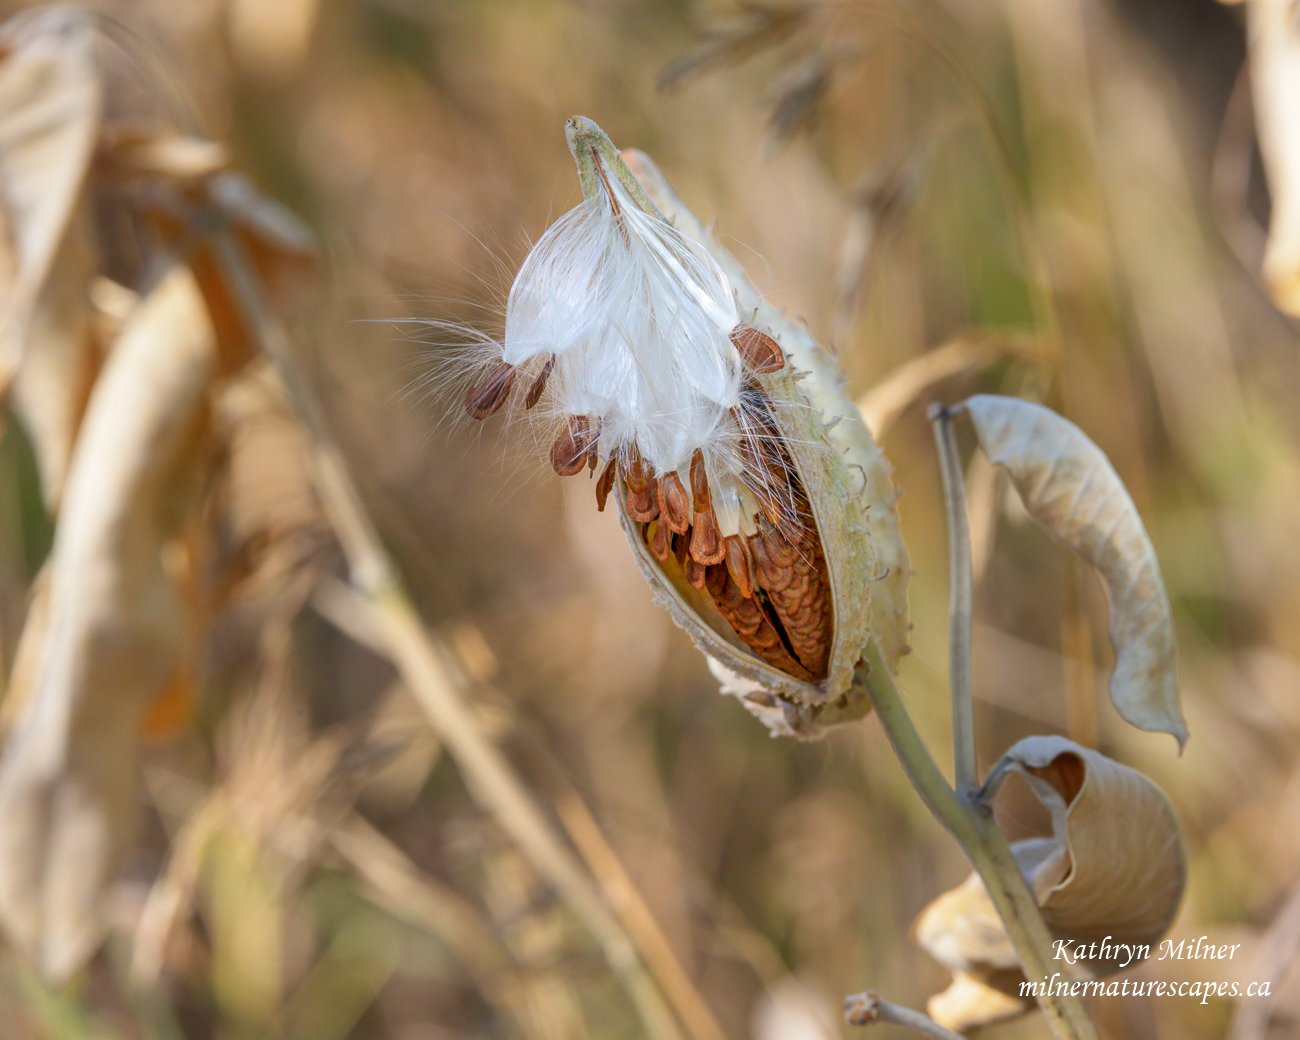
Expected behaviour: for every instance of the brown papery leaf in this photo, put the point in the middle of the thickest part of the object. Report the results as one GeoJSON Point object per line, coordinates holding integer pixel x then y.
{"type": "Point", "coordinates": [51, 105]}
{"type": "Point", "coordinates": [1275, 87]}
{"type": "Point", "coordinates": [1119, 866]}
{"type": "Point", "coordinates": [174, 192]}
{"type": "Point", "coordinates": [1069, 486]}
{"type": "Point", "coordinates": [134, 151]}
{"type": "Point", "coordinates": [1112, 873]}
{"type": "Point", "coordinates": [961, 929]}
{"type": "Point", "coordinates": [973, 1001]}
{"type": "Point", "coordinates": [112, 632]}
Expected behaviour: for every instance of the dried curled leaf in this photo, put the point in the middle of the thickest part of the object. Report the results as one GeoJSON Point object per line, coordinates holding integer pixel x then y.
{"type": "Point", "coordinates": [1275, 83]}
{"type": "Point", "coordinates": [1069, 486]}
{"type": "Point", "coordinates": [1112, 873]}
{"type": "Point", "coordinates": [51, 107]}
{"type": "Point", "coordinates": [192, 193]}
{"type": "Point", "coordinates": [1120, 865]}
{"type": "Point", "coordinates": [110, 635]}
{"type": "Point", "coordinates": [973, 1001]}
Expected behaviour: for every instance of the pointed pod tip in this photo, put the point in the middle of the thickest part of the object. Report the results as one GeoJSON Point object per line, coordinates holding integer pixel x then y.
{"type": "Point", "coordinates": [581, 132]}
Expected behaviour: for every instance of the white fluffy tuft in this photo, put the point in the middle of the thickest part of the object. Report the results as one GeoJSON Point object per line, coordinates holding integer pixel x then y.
{"type": "Point", "coordinates": [638, 317]}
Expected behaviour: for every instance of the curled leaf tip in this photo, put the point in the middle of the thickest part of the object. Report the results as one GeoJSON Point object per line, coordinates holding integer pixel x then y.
{"type": "Point", "coordinates": [1070, 488]}
{"type": "Point", "coordinates": [1109, 881]}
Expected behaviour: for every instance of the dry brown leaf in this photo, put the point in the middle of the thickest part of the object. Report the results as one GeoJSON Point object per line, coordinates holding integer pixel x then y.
{"type": "Point", "coordinates": [1120, 864]}
{"type": "Point", "coordinates": [1069, 486]}
{"type": "Point", "coordinates": [51, 105]}
{"type": "Point", "coordinates": [113, 630]}
{"type": "Point", "coordinates": [1114, 870]}
{"type": "Point", "coordinates": [281, 249]}
{"type": "Point", "coordinates": [1275, 84]}
{"type": "Point", "coordinates": [128, 151]}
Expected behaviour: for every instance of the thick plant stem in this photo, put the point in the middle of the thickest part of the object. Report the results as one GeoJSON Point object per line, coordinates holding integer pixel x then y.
{"type": "Point", "coordinates": [959, 605]}
{"type": "Point", "coordinates": [981, 841]}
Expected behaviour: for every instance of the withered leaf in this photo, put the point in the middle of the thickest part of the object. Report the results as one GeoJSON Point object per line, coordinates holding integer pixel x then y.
{"type": "Point", "coordinates": [1114, 869]}
{"type": "Point", "coordinates": [279, 247]}
{"type": "Point", "coordinates": [1119, 866]}
{"type": "Point", "coordinates": [127, 151]}
{"type": "Point", "coordinates": [1069, 486]}
{"type": "Point", "coordinates": [51, 106]}
{"type": "Point", "coordinates": [112, 631]}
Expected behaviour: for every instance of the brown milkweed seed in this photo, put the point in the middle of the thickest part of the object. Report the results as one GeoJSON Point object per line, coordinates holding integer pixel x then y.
{"type": "Point", "coordinates": [754, 625]}
{"type": "Point", "coordinates": [700, 483]}
{"type": "Point", "coordinates": [539, 384]}
{"type": "Point", "coordinates": [487, 396]}
{"type": "Point", "coordinates": [706, 539]}
{"type": "Point", "coordinates": [571, 447]}
{"type": "Point", "coordinates": [636, 472]}
{"type": "Point", "coordinates": [643, 505]}
{"type": "Point", "coordinates": [696, 573]}
{"type": "Point", "coordinates": [759, 351]}
{"type": "Point", "coordinates": [603, 485]}
{"type": "Point", "coordinates": [674, 505]}
{"type": "Point", "coordinates": [778, 549]}
{"type": "Point", "coordinates": [660, 540]}
{"type": "Point", "coordinates": [739, 565]}
{"type": "Point", "coordinates": [642, 489]}
{"type": "Point", "coordinates": [681, 550]}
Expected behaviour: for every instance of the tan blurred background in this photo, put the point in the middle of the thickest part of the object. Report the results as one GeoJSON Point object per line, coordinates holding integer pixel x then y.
{"type": "Point", "coordinates": [1071, 190]}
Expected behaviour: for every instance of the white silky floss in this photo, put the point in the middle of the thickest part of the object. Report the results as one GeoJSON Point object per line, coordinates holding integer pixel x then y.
{"type": "Point", "coordinates": [638, 317]}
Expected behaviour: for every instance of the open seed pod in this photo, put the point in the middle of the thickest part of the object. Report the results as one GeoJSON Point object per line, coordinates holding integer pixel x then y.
{"type": "Point", "coordinates": [847, 527]}
{"type": "Point", "coordinates": [753, 497]}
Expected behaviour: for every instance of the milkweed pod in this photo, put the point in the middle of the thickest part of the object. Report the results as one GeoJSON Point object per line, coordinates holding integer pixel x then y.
{"type": "Point", "coordinates": [753, 496]}
{"type": "Point", "coordinates": [827, 540]}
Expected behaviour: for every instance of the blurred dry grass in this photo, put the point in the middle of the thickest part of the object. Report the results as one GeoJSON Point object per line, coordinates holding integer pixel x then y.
{"type": "Point", "coordinates": [1063, 194]}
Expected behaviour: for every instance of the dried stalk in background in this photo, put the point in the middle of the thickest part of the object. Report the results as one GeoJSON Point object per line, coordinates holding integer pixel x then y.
{"type": "Point", "coordinates": [112, 632]}
{"type": "Point", "coordinates": [428, 670]}
{"type": "Point", "coordinates": [107, 638]}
